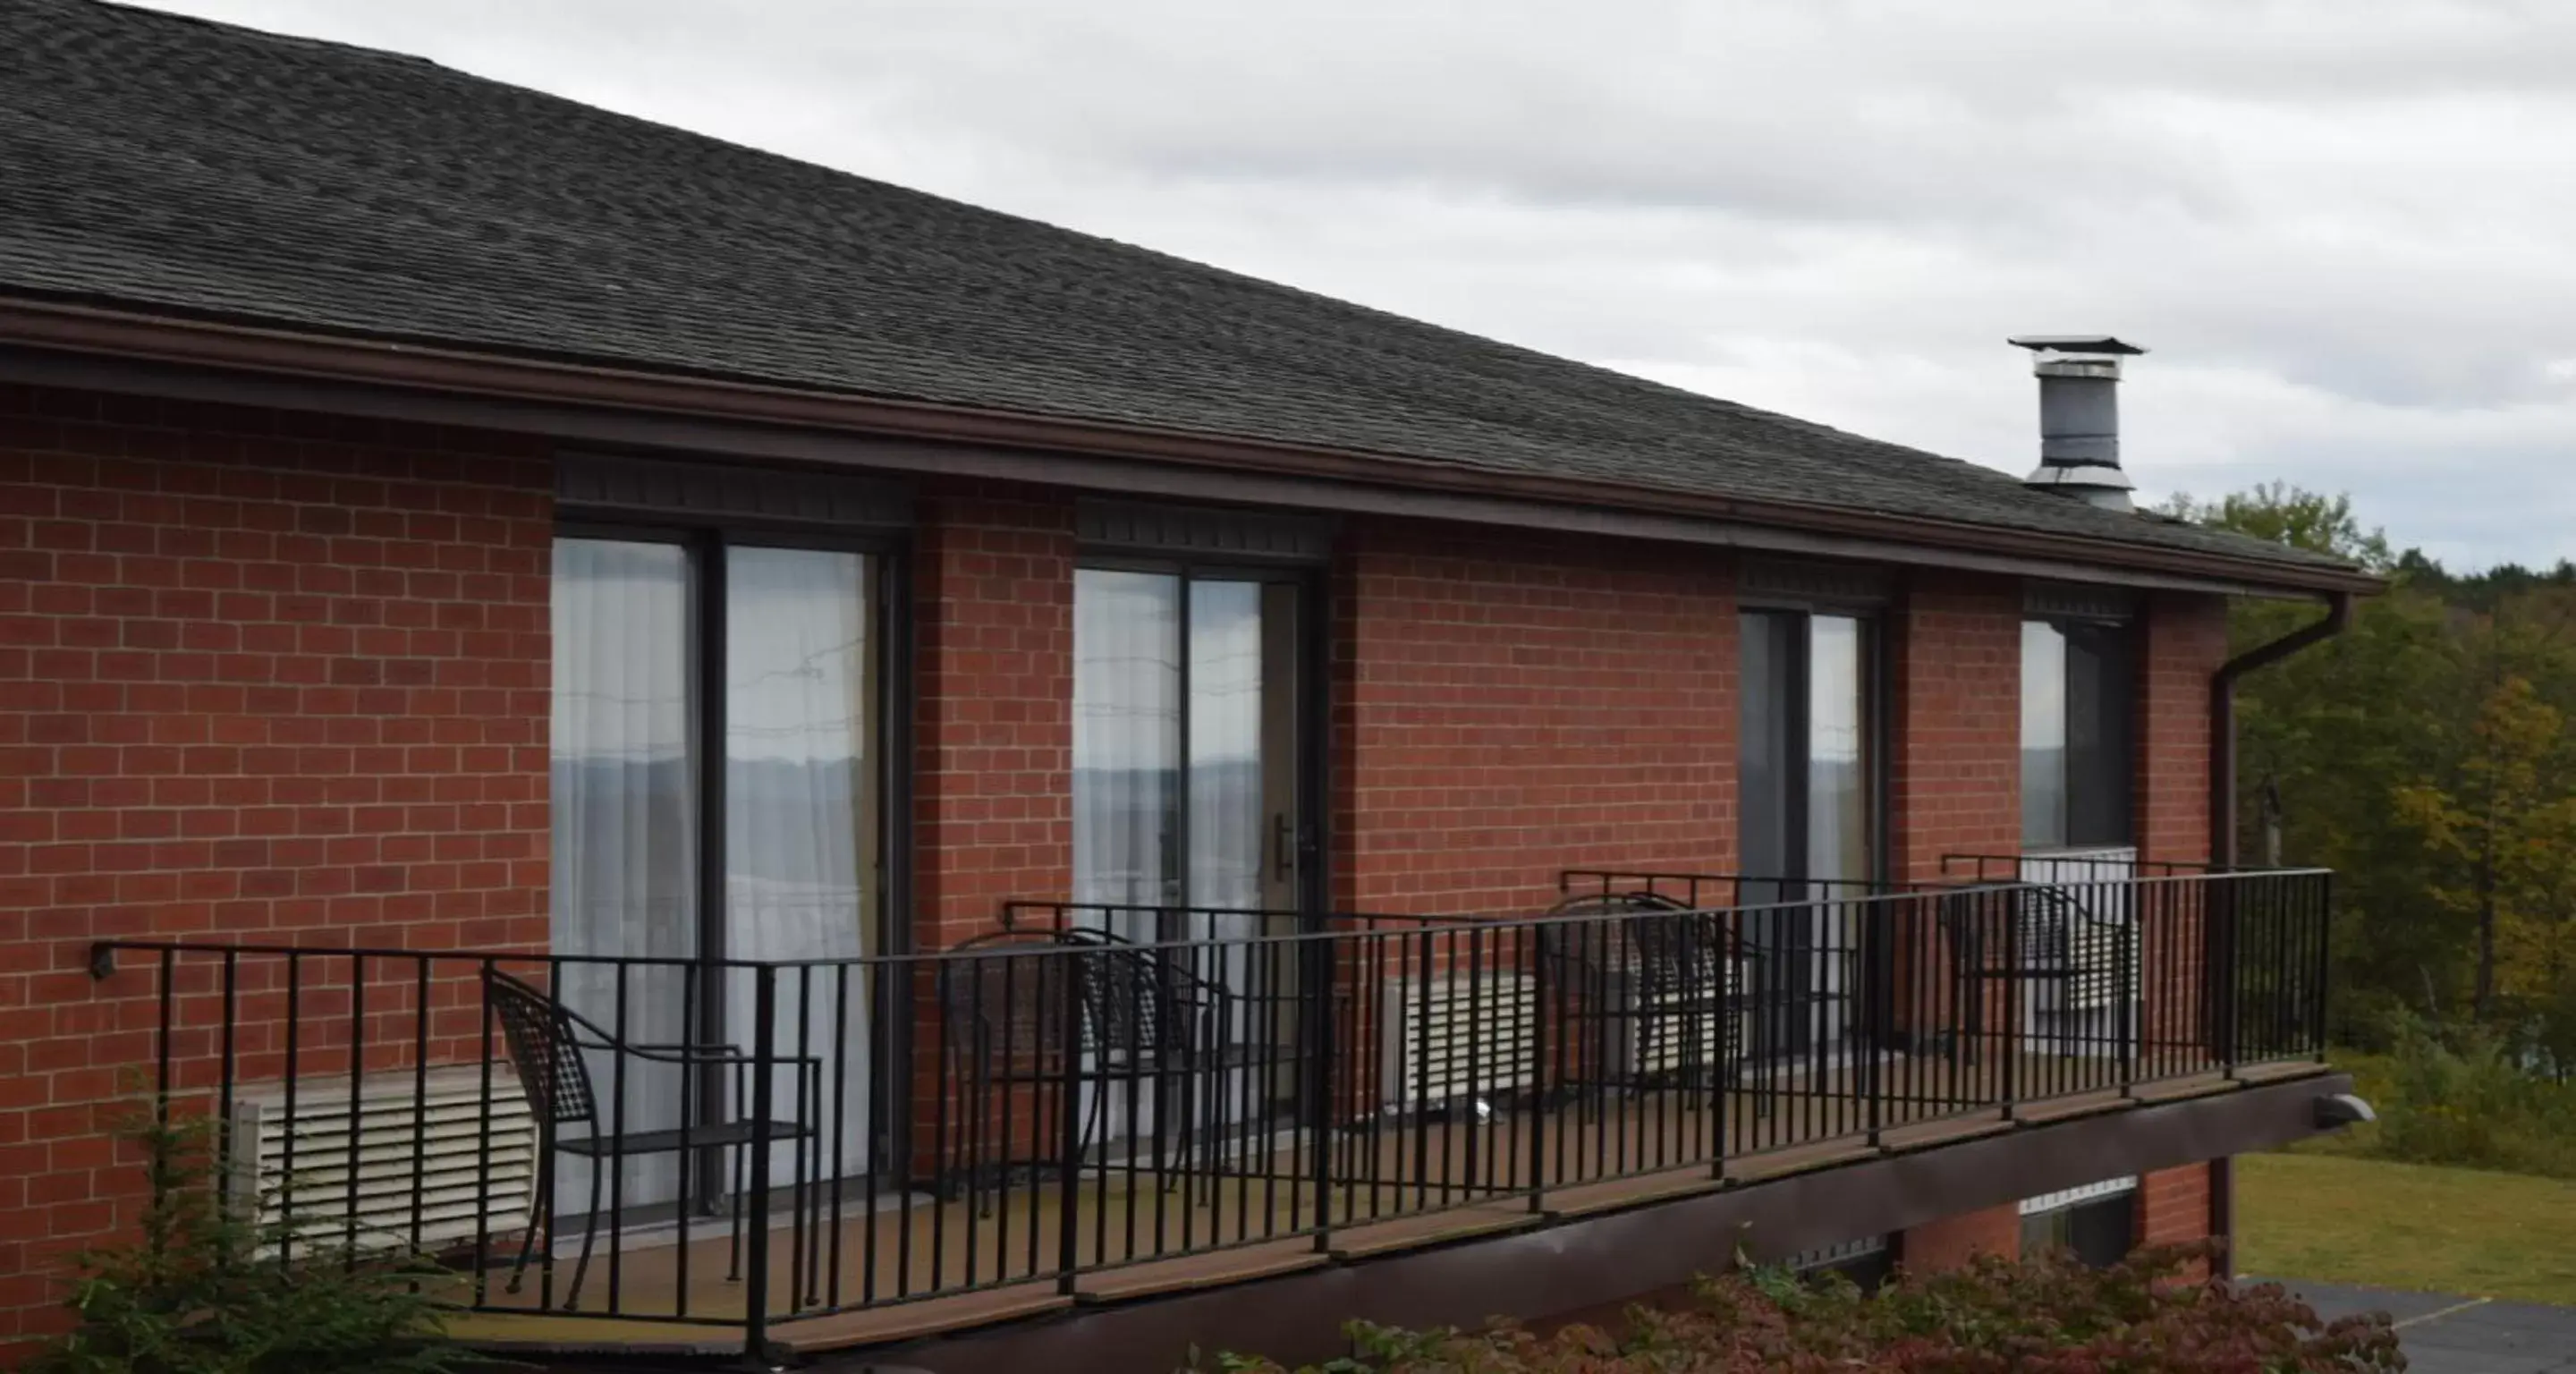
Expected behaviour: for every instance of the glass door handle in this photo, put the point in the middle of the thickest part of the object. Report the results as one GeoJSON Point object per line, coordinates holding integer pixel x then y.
{"type": "Point", "coordinates": [1283, 847]}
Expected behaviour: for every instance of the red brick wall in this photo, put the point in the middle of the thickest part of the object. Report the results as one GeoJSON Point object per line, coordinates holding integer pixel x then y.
{"type": "Point", "coordinates": [261, 677]}
{"type": "Point", "coordinates": [1509, 707]}
{"type": "Point", "coordinates": [993, 714]}
{"type": "Point", "coordinates": [992, 751]}
{"type": "Point", "coordinates": [2184, 642]}
{"type": "Point", "coordinates": [2173, 1205]}
{"type": "Point", "coordinates": [2173, 1208]}
{"type": "Point", "coordinates": [1952, 1241]}
{"type": "Point", "coordinates": [1955, 778]}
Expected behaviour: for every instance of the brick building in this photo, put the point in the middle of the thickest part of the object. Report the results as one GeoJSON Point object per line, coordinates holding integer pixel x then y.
{"type": "Point", "coordinates": [1503, 833]}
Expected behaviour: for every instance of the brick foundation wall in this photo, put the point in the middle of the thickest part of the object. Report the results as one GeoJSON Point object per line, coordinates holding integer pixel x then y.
{"type": "Point", "coordinates": [2173, 1207]}
{"type": "Point", "coordinates": [1509, 707]}
{"type": "Point", "coordinates": [262, 677]}
{"type": "Point", "coordinates": [1953, 1241]}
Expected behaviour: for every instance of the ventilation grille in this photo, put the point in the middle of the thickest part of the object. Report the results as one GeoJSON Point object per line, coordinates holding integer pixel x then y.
{"type": "Point", "coordinates": [434, 1148]}
{"type": "Point", "coordinates": [1460, 1037]}
{"type": "Point", "coordinates": [2076, 1197]}
{"type": "Point", "coordinates": [2091, 929]}
{"type": "Point", "coordinates": [1829, 1256]}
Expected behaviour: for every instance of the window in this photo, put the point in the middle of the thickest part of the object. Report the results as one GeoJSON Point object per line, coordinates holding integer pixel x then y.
{"type": "Point", "coordinates": [2097, 1222]}
{"type": "Point", "coordinates": [1866, 1262]}
{"type": "Point", "coordinates": [2077, 766]}
{"type": "Point", "coordinates": [1806, 815]}
{"type": "Point", "coordinates": [1187, 748]}
{"type": "Point", "coordinates": [716, 794]}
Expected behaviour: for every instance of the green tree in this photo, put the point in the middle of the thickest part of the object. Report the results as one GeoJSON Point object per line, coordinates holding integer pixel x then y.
{"type": "Point", "coordinates": [2507, 827]}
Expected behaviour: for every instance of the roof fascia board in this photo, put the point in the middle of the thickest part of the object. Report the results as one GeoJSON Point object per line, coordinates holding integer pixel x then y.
{"type": "Point", "coordinates": [148, 355]}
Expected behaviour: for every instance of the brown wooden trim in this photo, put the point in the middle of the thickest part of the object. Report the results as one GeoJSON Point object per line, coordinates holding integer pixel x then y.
{"type": "Point", "coordinates": [199, 343]}
{"type": "Point", "coordinates": [1607, 1259]}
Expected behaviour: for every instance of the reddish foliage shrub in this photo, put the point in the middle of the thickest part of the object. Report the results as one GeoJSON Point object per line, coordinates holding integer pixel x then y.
{"type": "Point", "coordinates": [1995, 1317]}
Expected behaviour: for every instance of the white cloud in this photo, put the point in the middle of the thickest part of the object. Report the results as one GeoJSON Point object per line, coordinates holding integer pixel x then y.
{"type": "Point", "coordinates": [2342, 227]}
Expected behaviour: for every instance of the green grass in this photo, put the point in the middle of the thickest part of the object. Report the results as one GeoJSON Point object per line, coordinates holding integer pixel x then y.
{"type": "Point", "coordinates": [2417, 1227]}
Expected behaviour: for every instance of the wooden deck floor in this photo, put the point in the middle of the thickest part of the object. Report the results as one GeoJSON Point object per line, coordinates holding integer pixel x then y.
{"type": "Point", "coordinates": [918, 1264]}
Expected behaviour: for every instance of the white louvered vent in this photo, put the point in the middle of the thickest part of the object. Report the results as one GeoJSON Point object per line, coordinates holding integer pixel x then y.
{"type": "Point", "coordinates": [2076, 1197]}
{"type": "Point", "coordinates": [2095, 933]}
{"type": "Point", "coordinates": [433, 1147]}
{"type": "Point", "coordinates": [1458, 1037]}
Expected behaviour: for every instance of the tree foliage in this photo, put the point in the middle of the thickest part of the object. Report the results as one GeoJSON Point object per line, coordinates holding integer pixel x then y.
{"type": "Point", "coordinates": [2425, 755]}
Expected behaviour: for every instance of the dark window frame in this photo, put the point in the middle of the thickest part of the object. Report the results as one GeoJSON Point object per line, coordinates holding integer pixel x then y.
{"type": "Point", "coordinates": [2099, 1231]}
{"type": "Point", "coordinates": [1312, 694]}
{"type": "Point", "coordinates": [1878, 695]}
{"type": "Point", "coordinates": [889, 553]}
{"type": "Point", "coordinates": [2100, 754]}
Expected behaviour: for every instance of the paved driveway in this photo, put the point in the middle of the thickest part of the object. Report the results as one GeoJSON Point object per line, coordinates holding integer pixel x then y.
{"type": "Point", "coordinates": [2445, 1334]}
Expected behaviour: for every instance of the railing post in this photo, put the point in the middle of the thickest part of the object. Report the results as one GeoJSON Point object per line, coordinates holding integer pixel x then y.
{"type": "Point", "coordinates": [2322, 1035]}
{"type": "Point", "coordinates": [2223, 982]}
{"type": "Point", "coordinates": [1878, 996]}
{"type": "Point", "coordinates": [2015, 898]}
{"type": "Point", "coordinates": [1324, 1008]}
{"type": "Point", "coordinates": [1536, 942]}
{"type": "Point", "coordinates": [755, 1295]}
{"type": "Point", "coordinates": [1068, 1167]}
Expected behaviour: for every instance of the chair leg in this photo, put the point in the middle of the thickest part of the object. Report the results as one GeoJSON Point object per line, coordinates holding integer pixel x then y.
{"type": "Point", "coordinates": [589, 1230]}
{"type": "Point", "coordinates": [542, 1214]}
{"type": "Point", "coordinates": [733, 1268]}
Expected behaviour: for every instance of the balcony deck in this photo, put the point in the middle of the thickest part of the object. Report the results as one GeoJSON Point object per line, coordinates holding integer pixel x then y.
{"type": "Point", "coordinates": [1361, 1088]}
{"type": "Point", "coordinates": [919, 1267]}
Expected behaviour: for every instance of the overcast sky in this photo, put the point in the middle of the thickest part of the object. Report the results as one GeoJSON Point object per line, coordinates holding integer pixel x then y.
{"type": "Point", "coordinates": [2347, 228]}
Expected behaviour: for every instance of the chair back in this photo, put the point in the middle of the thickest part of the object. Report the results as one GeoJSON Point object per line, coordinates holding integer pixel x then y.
{"type": "Point", "coordinates": [543, 1050]}
{"type": "Point", "coordinates": [1667, 947]}
{"type": "Point", "coordinates": [1011, 998]}
{"type": "Point", "coordinates": [1133, 1000]}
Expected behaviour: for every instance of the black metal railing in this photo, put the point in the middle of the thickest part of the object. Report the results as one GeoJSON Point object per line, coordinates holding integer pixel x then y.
{"type": "Point", "coordinates": [1093, 1087]}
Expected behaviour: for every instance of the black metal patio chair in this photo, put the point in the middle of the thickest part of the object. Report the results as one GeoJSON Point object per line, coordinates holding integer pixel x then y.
{"type": "Point", "coordinates": [2039, 947]}
{"type": "Point", "coordinates": [1657, 991]}
{"type": "Point", "coordinates": [548, 1042]}
{"type": "Point", "coordinates": [1072, 1010]}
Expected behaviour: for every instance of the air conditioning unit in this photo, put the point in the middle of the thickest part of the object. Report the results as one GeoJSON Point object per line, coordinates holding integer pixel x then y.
{"type": "Point", "coordinates": [1459, 1038]}
{"type": "Point", "coordinates": [436, 1153]}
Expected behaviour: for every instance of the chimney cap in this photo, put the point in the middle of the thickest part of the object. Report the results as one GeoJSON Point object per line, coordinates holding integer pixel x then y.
{"type": "Point", "coordinates": [2072, 343]}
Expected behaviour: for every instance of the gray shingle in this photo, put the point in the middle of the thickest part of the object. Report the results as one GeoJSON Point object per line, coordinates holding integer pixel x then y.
{"type": "Point", "coordinates": [178, 165]}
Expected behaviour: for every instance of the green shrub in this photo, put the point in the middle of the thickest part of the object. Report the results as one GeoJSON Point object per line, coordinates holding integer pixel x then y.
{"type": "Point", "coordinates": [199, 1291]}
{"type": "Point", "coordinates": [2049, 1316]}
{"type": "Point", "coordinates": [2456, 1096]}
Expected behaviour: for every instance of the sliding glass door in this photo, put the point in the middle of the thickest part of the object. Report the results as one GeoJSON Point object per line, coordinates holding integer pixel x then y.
{"type": "Point", "coordinates": [1190, 805]}
{"type": "Point", "coordinates": [1807, 819]}
{"type": "Point", "coordinates": [1186, 787]}
{"type": "Point", "coordinates": [715, 712]}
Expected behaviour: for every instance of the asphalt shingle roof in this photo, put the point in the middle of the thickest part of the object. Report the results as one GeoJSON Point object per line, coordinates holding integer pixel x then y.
{"type": "Point", "coordinates": [169, 164]}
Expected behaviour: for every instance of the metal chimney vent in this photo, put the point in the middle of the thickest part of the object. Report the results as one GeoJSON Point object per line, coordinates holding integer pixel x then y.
{"type": "Point", "coordinates": [2079, 416]}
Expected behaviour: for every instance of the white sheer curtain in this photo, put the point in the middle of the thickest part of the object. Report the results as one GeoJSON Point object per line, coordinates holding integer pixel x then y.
{"type": "Point", "coordinates": [1126, 739]}
{"type": "Point", "coordinates": [798, 818]}
{"type": "Point", "coordinates": [1838, 808]}
{"type": "Point", "coordinates": [2043, 735]}
{"type": "Point", "coordinates": [1838, 838]}
{"type": "Point", "coordinates": [625, 829]}
{"type": "Point", "coordinates": [1224, 787]}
